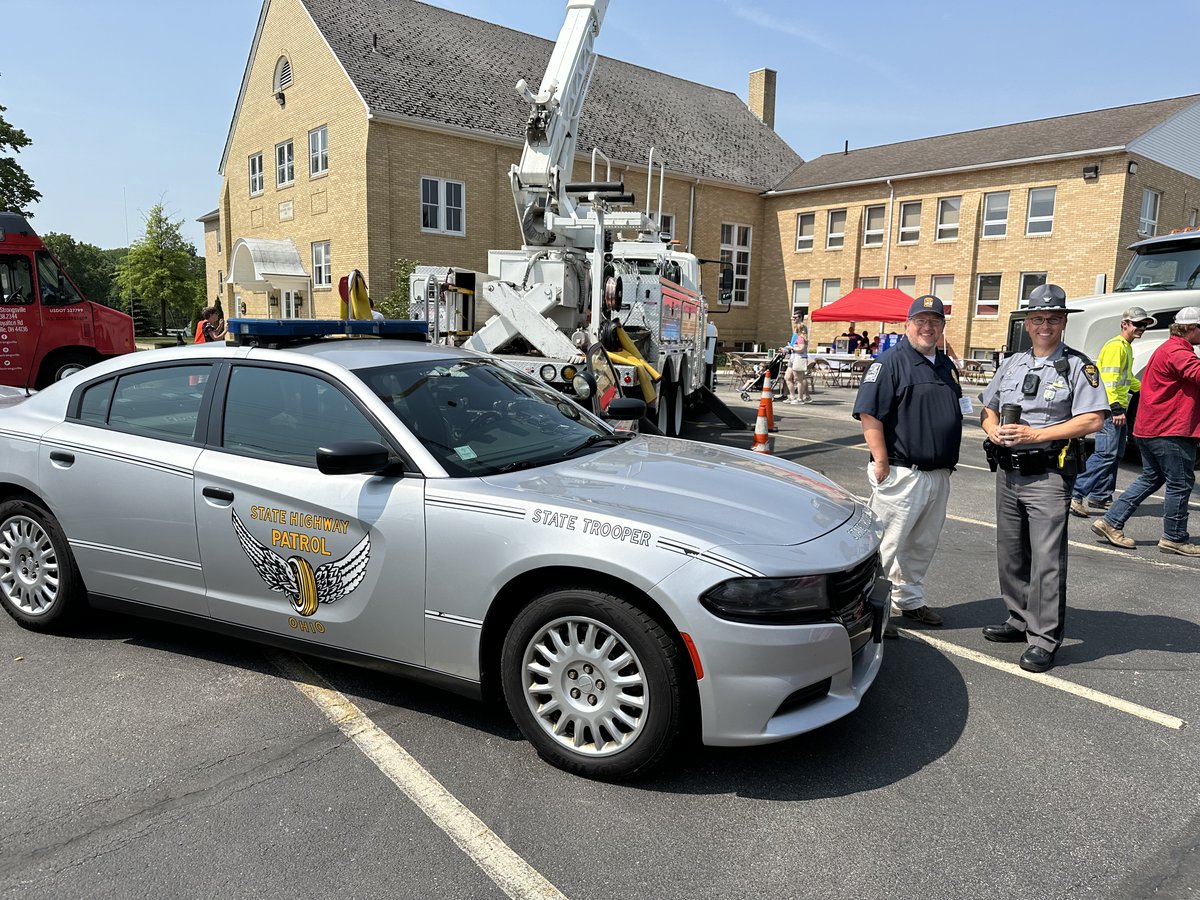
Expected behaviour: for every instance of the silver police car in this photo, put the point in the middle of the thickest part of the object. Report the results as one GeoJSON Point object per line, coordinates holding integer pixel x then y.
{"type": "Point", "coordinates": [436, 513]}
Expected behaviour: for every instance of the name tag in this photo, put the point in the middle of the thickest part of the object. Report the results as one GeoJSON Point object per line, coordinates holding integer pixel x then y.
{"type": "Point", "coordinates": [964, 403]}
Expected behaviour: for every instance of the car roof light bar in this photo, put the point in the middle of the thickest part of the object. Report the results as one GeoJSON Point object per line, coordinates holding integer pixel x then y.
{"type": "Point", "coordinates": [281, 332]}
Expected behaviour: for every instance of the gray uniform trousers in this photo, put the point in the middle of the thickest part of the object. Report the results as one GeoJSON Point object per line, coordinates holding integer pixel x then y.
{"type": "Point", "coordinates": [1031, 540]}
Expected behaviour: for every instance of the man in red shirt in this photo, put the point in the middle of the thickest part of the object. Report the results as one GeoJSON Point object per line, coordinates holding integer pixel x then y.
{"type": "Point", "coordinates": [1167, 431]}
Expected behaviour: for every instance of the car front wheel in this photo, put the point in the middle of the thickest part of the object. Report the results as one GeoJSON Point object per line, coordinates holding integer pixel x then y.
{"type": "Point", "coordinates": [39, 584]}
{"type": "Point", "coordinates": [593, 683]}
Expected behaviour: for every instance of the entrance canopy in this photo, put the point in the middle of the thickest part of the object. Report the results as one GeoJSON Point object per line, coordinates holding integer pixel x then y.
{"type": "Point", "coordinates": [866, 305]}
{"type": "Point", "coordinates": [256, 264]}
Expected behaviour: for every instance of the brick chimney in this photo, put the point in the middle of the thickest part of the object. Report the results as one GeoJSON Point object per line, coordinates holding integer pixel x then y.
{"type": "Point", "coordinates": [762, 95]}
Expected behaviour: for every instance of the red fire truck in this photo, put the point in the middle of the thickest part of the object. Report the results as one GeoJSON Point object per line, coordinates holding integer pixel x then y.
{"type": "Point", "coordinates": [48, 329]}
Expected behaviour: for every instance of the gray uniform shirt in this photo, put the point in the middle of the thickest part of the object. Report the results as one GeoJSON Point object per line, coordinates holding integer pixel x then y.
{"type": "Point", "coordinates": [1057, 398]}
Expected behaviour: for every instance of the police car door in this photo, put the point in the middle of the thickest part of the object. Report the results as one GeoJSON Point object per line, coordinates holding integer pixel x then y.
{"type": "Point", "coordinates": [336, 560]}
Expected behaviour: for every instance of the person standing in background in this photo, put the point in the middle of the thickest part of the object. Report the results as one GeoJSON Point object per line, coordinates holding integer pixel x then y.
{"type": "Point", "coordinates": [797, 364]}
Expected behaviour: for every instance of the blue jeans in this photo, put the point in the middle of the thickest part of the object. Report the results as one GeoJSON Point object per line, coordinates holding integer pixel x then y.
{"type": "Point", "coordinates": [1165, 460]}
{"type": "Point", "coordinates": [1099, 479]}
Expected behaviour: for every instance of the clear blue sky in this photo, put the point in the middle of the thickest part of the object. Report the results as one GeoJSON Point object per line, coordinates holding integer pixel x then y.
{"type": "Point", "coordinates": [128, 102]}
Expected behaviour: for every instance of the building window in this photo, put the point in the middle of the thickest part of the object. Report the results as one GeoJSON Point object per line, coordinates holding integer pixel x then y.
{"type": "Point", "coordinates": [666, 225]}
{"type": "Point", "coordinates": [1192, 216]}
{"type": "Point", "coordinates": [906, 283]}
{"type": "Point", "coordinates": [285, 163]}
{"type": "Point", "coordinates": [987, 296]}
{"type": "Point", "coordinates": [871, 283]}
{"type": "Point", "coordinates": [942, 287]}
{"type": "Point", "coordinates": [442, 206]}
{"type": "Point", "coordinates": [318, 151]}
{"type": "Point", "coordinates": [805, 227]}
{"type": "Point", "coordinates": [256, 175]}
{"type": "Point", "coordinates": [835, 238]}
{"type": "Point", "coordinates": [1148, 221]}
{"type": "Point", "coordinates": [322, 268]}
{"type": "Point", "coordinates": [910, 222]}
{"type": "Point", "coordinates": [831, 289]}
{"type": "Point", "coordinates": [1029, 281]}
{"type": "Point", "coordinates": [995, 214]}
{"type": "Point", "coordinates": [220, 282]}
{"type": "Point", "coordinates": [283, 74]}
{"type": "Point", "coordinates": [735, 251]}
{"type": "Point", "coordinates": [1041, 211]}
{"type": "Point", "coordinates": [873, 227]}
{"type": "Point", "coordinates": [947, 219]}
{"type": "Point", "coordinates": [800, 297]}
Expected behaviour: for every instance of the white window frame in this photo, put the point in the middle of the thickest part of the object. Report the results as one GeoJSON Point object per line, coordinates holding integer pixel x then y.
{"type": "Point", "coordinates": [804, 242]}
{"type": "Point", "coordinates": [869, 283]}
{"type": "Point", "coordinates": [285, 163]}
{"type": "Point", "coordinates": [826, 285]}
{"type": "Point", "coordinates": [995, 226]}
{"type": "Point", "coordinates": [947, 230]}
{"type": "Point", "coordinates": [942, 287]}
{"type": "Point", "coordinates": [255, 168]}
{"type": "Point", "coordinates": [873, 237]}
{"type": "Point", "coordinates": [322, 265]}
{"type": "Point", "coordinates": [1148, 218]}
{"type": "Point", "coordinates": [1022, 293]}
{"type": "Point", "coordinates": [835, 240]}
{"type": "Point", "coordinates": [1032, 221]}
{"type": "Point", "coordinates": [910, 234]}
{"type": "Point", "coordinates": [739, 254]}
{"type": "Point", "coordinates": [283, 75]}
{"type": "Point", "coordinates": [666, 224]}
{"type": "Point", "coordinates": [801, 296]}
{"type": "Point", "coordinates": [441, 207]}
{"type": "Point", "coordinates": [999, 293]}
{"type": "Point", "coordinates": [318, 151]}
{"type": "Point", "coordinates": [1192, 216]}
{"type": "Point", "coordinates": [906, 283]}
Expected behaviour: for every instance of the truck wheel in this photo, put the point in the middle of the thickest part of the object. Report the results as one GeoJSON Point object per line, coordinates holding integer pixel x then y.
{"type": "Point", "coordinates": [593, 683]}
{"type": "Point", "coordinates": [670, 408]}
{"type": "Point", "coordinates": [67, 365]}
{"type": "Point", "coordinates": [40, 585]}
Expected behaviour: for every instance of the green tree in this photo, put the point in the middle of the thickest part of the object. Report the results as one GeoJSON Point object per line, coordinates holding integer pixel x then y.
{"type": "Point", "coordinates": [395, 304]}
{"type": "Point", "coordinates": [91, 268]}
{"type": "Point", "coordinates": [16, 188]}
{"type": "Point", "coordinates": [159, 272]}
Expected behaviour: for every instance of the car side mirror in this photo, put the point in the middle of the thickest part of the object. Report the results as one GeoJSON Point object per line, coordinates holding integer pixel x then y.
{"type": "Point", "coordinates": [625, 409]}
{"type": "Point", "coordinates": [353, 458]}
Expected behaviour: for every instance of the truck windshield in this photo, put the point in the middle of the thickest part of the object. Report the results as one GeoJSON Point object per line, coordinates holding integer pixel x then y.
{"type": "Point", "coordinates": [1163, 267]}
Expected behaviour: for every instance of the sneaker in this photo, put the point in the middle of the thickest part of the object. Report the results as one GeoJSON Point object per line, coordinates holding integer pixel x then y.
{"type": "Point", "coordinates": [922, 614]}
{"type": "Point", "coordinates": [1114, 536]}
{"type": "Point", "coordinates": [1183, 548]}
{"type": "Point", "coordinates": [1078, 509]}
{"type": "Point", "coordinates": [1102, 506]}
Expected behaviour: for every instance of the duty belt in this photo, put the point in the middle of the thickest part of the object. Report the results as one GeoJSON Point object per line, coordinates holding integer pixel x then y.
{"type": "Point", "coordinates": [1036, 462]}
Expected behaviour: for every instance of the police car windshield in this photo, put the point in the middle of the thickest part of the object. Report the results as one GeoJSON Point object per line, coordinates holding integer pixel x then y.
{"type": "Point", "coordinates": [1163, 267]}
{"type": "Point", "coordinates": [479, 417]}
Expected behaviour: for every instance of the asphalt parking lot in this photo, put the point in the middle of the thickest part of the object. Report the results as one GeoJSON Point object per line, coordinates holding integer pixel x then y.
{"type": "Point", "coordinates": [144, 760]}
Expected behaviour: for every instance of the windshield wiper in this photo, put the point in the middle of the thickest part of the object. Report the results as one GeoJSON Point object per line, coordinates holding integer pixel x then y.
{"type": "Point", "coordinates": [618, 437]}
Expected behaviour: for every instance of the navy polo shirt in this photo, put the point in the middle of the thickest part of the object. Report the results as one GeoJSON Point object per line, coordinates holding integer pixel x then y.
{"type": "Point", "coordinates": [918, 403]}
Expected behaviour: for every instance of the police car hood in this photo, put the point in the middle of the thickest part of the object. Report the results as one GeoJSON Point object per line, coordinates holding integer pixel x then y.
{"type": "Point", "coordinates": [712, 494]}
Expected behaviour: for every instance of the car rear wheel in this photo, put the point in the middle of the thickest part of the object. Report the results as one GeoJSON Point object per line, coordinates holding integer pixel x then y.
{"type": "Point", "coordinates": [593, 683]}
{"type": "Point", "coordinates": [40, 586]}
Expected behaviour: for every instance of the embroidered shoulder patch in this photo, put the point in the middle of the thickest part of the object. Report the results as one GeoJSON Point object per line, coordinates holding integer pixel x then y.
{"type": "Point", "coordinates": [872, 374]}
{"type": "Point", "coordinates": [1092, 374]}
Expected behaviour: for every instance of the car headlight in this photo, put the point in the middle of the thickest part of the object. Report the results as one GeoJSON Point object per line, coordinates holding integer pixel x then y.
{"type": "Point", "coordinates": [770, 601]}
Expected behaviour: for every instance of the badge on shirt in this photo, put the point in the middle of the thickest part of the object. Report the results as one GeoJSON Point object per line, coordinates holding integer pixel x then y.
{"type": "Point", "coordinates": [873, 373]}
{"type": "Point", "coordinates": [964, 403]}
{"type": "Point", "coordinates": [1091, 374]}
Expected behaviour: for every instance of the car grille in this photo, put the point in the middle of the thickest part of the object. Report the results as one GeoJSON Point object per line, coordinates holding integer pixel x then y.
{"type": "Point", "coordinates": [848, 592]}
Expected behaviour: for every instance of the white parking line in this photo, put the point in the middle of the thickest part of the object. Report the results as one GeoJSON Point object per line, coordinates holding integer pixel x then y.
{"type": "Point", "coordinates": [1069, 687]}
{"type": "Point", "coordinates": [509, 871]}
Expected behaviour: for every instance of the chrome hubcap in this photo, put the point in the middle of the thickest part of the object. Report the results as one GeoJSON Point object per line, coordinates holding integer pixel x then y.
{"type": "Point", "coordinates": [29, 576]}
{"type": "Point", "coordinates": [585, 686]}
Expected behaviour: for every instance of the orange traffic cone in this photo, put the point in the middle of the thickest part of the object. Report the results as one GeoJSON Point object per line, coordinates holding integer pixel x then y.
{"type": "Point", "coordinates": [768, 397]}
{"type": "Point", "coordinates": [762, 441]}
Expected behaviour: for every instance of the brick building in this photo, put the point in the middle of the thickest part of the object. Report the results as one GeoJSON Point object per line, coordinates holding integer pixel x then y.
{"type": "Point", "coordinates": [371, 130]}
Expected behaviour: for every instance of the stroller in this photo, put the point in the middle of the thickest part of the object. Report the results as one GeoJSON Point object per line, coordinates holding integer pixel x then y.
{"type": "Point", "coordinates": [753, 376]}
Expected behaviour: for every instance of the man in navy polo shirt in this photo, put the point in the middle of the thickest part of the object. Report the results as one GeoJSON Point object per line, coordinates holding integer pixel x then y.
{"type": "Point", "coordinates": [911, 408]}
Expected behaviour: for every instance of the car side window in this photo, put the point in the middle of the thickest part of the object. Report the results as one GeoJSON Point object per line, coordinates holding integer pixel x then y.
{"type": "Point", "coordinates": [56, 289]}
{"type": "Point", "coordinates": [94, 402]}
{"type": "Point", "coordinates": [284, 415]}
{"type": "Point", "coordinates": [161, 403]}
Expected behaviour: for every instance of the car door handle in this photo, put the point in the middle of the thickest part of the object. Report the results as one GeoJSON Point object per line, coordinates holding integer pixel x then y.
{"type": "Point", "coordinates": [215, 493]}
{"type": "Point", "coordinates": [62, 457]}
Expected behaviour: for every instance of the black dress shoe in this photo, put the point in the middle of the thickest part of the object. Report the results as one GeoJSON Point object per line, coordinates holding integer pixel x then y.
{"type": "Point", "coordinates": [1035, 659]}
{"type": "Point", "coordinates": [1003, 633]}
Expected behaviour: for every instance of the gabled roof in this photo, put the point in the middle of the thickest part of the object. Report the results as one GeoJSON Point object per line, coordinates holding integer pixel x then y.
{"type": "Point", "coordinates": [441, 68]}
{"type": "Point", "coordinates": [1087, 133]}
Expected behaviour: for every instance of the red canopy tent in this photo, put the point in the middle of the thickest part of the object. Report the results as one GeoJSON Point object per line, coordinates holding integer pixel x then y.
{"type": "Point", "coordinates": [866, 305]}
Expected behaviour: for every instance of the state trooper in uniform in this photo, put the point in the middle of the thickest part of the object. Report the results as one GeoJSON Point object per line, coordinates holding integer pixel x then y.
{"type": "Point", "coordinates": [1053, 397]}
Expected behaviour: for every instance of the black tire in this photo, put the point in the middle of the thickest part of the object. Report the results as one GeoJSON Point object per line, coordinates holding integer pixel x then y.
{"type": "Point", "coordinates": [559, 666]}
{"type": "Point", "coordinates": [64, 366]}
{"type": "Point", "coordinates": [666, 417]}
{"type": "Point", "coordinates": [40, 585]}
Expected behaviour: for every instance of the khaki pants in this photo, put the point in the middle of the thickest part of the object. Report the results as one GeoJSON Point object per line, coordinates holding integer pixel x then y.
{"type": "Point", "coordinates": [911, 504]}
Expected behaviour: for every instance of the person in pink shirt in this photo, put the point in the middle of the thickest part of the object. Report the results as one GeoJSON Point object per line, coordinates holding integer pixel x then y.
{"type": "Point", "coordinates": [1167, 430]}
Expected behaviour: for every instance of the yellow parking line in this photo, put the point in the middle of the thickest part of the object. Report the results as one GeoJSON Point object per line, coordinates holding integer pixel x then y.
{"type": "Point", "coordinates": [1069, 687]}
{"type": "Point", "coordinates": [509, 871]}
